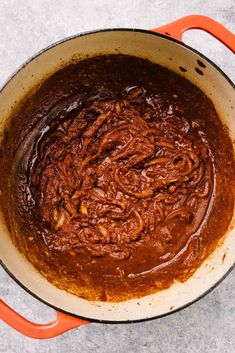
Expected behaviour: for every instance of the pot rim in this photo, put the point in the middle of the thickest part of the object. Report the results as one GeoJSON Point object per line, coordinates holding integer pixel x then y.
{"type": "Point", "coordinates": [119, 321]}
{"type": "Point", "coordinates": [85, 33]}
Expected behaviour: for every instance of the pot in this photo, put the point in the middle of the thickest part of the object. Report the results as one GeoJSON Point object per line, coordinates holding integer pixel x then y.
{"type": "Point", "coordinates": [163, 46]}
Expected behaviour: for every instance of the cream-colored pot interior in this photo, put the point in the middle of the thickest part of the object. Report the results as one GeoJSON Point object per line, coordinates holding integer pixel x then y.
{"type": "Point", "coordinates": [164, 52]}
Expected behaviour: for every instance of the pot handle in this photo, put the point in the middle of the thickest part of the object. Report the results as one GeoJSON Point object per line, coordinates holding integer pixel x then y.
{"type": "Point", "coordinates": [177, 28]}
{"type": "Point", "coordinates": [62, 323]}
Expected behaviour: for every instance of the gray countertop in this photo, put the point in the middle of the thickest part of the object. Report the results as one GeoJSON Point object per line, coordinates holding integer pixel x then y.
{"type": "Point", "coordinates": [207, 326]}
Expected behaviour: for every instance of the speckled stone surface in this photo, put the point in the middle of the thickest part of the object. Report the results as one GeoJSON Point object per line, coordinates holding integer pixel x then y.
{"type": "Point", "coordinates": [207, 326]}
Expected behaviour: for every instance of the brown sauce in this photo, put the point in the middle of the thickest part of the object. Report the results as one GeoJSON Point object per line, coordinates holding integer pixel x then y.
{"type": "Point", "coordinates": [121, 180]}
{"type": "Point", "coordinates": [201, 63]}
{"type": "Point", "coordinates": [199, 71]}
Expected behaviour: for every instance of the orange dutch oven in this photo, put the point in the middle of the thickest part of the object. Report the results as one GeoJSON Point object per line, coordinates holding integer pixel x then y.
{"type": "Point", "coordinates": [157, 45]}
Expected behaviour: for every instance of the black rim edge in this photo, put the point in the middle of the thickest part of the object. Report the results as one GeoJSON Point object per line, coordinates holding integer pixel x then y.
{"type": "Point", "coordinates": [91, 320]}
{"type": "Point", "coordinates": [5, 85]}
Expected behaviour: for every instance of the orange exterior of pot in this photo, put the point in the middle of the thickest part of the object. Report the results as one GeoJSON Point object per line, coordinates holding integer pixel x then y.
{"type": "Point", "coordinates": [177, 28]}
{"type": "Point", "coordinates": [62, 323]}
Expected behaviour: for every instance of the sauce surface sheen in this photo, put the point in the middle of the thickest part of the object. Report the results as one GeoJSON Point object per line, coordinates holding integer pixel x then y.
{"type": "Point", "coordinates": [118, 168]}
